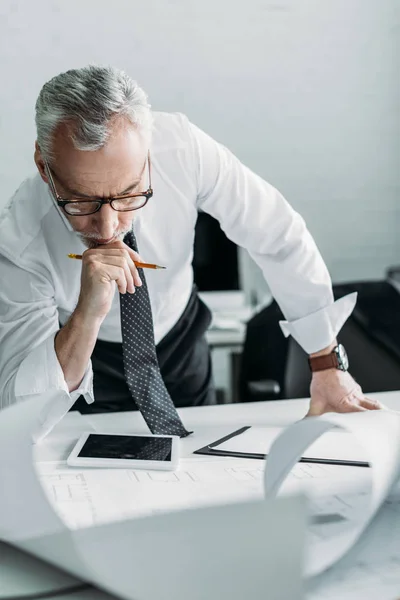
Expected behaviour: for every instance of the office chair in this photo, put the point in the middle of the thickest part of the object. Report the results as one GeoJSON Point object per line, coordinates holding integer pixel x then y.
{"type": "Point", "coordinates": [273, 367]}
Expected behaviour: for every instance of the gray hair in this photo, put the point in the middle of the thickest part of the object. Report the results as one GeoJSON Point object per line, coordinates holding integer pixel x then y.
{"type": "Point", "coordinates": [90, 98]}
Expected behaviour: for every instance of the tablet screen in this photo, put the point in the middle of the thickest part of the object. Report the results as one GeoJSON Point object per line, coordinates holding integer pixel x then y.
{"type": "Point", "coordinates": [126, 447]}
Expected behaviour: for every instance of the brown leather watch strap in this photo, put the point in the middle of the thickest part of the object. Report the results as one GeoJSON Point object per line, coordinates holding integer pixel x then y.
{"type": "Point", "coordinates": [321, 363]}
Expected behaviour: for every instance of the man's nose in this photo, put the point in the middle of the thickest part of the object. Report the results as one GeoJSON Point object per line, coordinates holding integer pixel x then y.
{"type": "Point", "coordinates": [107, 221]}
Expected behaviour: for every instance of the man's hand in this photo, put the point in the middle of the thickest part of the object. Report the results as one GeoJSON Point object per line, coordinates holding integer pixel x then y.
{"type": "Point", "coordinates": [102, 268]}
{"type": "Point", "coordinates": [336, 391]}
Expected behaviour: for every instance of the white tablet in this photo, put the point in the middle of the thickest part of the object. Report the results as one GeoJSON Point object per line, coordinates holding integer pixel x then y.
{"type": "Point", "coordinates": [127, 451]}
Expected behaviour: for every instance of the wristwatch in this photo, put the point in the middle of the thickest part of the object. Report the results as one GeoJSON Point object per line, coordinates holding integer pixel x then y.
{"type": "Point", "coordinates": [337, 359]}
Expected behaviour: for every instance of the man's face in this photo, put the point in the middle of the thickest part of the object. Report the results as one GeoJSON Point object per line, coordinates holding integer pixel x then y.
{"type": "Point", "coordinates": [120, 167]}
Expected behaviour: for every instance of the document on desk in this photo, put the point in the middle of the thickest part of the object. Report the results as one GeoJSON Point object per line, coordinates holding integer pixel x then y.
{"type": "Point", "coordinates": [221, 520]}
{"type": "Point", "coordinates": [371, 569]}
{"type": "Point", "coordinates": [336, 445]}
{"type": "Point", "coordinates": [342, 521]}
{"type": "Point", "coordinates": [187, 548]}
{"type": "Point", "coordinates": [86, 497]}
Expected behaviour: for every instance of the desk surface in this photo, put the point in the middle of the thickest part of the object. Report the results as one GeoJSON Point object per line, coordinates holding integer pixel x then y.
{"type": "Point", "coordinates": [229, 316]}
{"type": "Point", "coordinates": [212, 422]}
{"type": "Point", "coordinates": [208, 423]}
{"type": "Point", "coordinates": [21, 575]}
{"type": "Point", "coordinates": [226, 338]}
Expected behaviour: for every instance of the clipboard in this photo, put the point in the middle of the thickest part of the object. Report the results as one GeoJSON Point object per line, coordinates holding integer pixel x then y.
{"type": "Point", "coordinates": [211, 450]}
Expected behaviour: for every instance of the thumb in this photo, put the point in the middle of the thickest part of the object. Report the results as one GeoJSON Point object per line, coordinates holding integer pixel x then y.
{"type": "Point", "coordinates": [316, 409]}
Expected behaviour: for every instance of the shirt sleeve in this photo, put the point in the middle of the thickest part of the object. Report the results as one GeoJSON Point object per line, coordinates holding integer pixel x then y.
{"type": "Point", "coordinates": [29, 365]}
{"type": "Point", "coordinates": [254, 215]}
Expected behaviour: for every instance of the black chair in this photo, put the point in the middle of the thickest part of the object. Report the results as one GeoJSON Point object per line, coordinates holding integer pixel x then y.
{"type": "Point", "coordinates": [274, 367]}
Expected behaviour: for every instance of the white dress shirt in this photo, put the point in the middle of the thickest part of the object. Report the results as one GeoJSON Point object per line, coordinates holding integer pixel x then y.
{"type": "Point", "coordinates": [39, 284]}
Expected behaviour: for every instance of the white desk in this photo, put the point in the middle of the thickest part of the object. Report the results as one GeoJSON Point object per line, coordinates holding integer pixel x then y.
{"type": "Point", "coordinates": [226, 335]}
{"type": "Point", "coordinates": [230, 314]}
{"type": "Point", "coordinates": [226, 338]}
{"type": "Point", "coordinates": [21, 575]}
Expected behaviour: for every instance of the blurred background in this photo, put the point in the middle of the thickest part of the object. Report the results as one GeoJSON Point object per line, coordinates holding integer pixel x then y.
{"type": "Point", "coordinates": [304, 92]}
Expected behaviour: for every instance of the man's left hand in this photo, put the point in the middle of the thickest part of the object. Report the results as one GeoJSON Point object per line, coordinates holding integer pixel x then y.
{"type": "Point", "coordinates": [336, 391]}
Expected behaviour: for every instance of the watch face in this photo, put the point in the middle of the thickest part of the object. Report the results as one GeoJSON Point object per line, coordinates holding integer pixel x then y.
{"type": "Point", "coordinates": [342, 357]}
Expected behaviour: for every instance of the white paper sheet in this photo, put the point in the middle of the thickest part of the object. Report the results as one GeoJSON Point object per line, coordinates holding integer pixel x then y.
{"type": "Point", "coordinates": [85, 497]}
{"type": "Point", "coordinates": [233, 549]}
{"type": "Point", "coordinates": [379, 433]}
{"type": "Point", "coordinates": [371, 569]}
{"type": "Point", "coordinates": [212, 552]}
{"type": "Point", "coordinates": [333, 445]}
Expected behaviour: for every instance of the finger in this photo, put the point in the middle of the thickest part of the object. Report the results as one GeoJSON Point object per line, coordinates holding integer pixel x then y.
{"type": "Point", "coordinates": [117, 274]}
{"type": "Point", "coordinates": [105, 250]}
{"type": "Point", "coordinates": [135, 256]}
{"type": "Point", "coordinates": [117, 244]}
{"type": "Point", "coordinates": [129, 256]}
{"type": "Point", "coordinates": [132, 266]}
{"type": "Point", "coordinates": [121, 245]}
{"type": "Point", "coordinates": [315, 410]}
{"type": "Point", "coordinates": [116, 248]}
{"type": "Point", "coordinates": [120, 262]}
{"type": "Point", "coordinates": [347, 406]}
{"type": "Point", "coordinates": [130, 282]}
{"type": "Point", "coordinates": [371, 404]}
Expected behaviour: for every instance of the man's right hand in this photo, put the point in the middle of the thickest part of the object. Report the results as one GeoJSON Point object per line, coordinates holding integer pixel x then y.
{"type": "Point", "coordinates": [101, 267]}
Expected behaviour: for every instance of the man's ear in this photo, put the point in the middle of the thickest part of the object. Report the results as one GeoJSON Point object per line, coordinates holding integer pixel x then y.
{"type": "Point", "coordinates": [40, 163]}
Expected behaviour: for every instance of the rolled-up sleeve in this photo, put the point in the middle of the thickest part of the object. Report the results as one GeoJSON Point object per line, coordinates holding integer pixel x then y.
{"type": "Point", "coordinates": [254, 215]}
{"type": "Point", "coordinates": [29, 365]}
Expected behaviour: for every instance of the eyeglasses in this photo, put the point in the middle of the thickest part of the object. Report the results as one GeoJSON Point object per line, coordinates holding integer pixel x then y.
{"type": "Point", "coordinates": [77, 207]}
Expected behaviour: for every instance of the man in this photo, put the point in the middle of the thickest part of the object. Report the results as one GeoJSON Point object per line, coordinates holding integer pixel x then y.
{"type": "Point", "coordinates": [115, 179]}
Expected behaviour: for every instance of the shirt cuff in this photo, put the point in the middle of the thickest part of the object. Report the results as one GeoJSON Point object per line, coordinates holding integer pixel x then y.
{"type": "Point", "coordinates": [59, 403]}
{"type": "Point", "coordinates": [41, 373]}
{"type": "Point", "coordinates": [318, 330]}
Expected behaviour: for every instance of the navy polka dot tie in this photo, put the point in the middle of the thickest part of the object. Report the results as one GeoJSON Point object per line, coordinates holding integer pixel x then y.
{"type": "Point", "coordinates": [141, 367]}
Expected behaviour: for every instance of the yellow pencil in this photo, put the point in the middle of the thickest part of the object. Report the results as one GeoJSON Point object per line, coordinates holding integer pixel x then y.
{"type": "Point", "coordinates": [139, 265]}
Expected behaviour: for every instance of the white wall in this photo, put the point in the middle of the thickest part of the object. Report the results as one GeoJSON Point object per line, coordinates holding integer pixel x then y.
{"type": "Point", "coordinates": [306, 92]}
